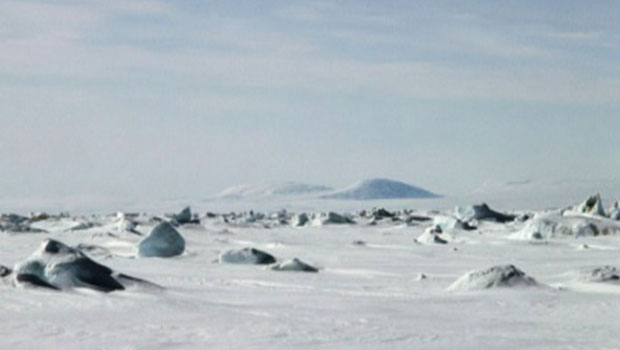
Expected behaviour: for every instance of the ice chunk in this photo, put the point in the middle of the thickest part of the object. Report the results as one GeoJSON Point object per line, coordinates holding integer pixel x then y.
{"type": "Point", "coordinates": [58, 266]}
{"type": "Point", "coordinates": [184, 216]}
{"type": "Point", "coordinates": [294, 265]}
{"type": "Point", "coordinates": [332, 218]}
{"type": "Point", "coordinates": [300, 219]}
{"type": "Point", "coordinates": [248, 255]}
{"type": "Point", "coordinates": [601, 274]}
{"type": "Point", "coordinates": [592, 206]}
{"type": "Point", "coordinates": [17, 223]}
{"type": "Point", "coordinates": [432, 235]}
{"type": "Point", "coordinates": [4, 271]}
{"type": "Point", "coordinates": [558, 226]}
{"type": "Point", "coordinates": [614, 211]}
{"type": "Point", "coordinates": [481, 212]}
{"type": "Point", "coordinates": [163, 241]}
{"type": "Point", "coordinates": [450, 223]}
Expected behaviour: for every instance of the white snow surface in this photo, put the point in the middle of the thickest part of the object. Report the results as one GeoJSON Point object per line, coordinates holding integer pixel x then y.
{"type": "Point", "coordinates": [365, 296]}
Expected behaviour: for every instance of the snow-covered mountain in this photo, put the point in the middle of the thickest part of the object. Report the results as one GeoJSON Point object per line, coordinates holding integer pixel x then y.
{"type": "Point", "coordinates": [270, 190]}
{"type": "Point", "coordinates": [379, 188]}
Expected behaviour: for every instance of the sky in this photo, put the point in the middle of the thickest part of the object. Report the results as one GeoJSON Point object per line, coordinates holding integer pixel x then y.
{"type": "Point", "coordinates": [184, 98]}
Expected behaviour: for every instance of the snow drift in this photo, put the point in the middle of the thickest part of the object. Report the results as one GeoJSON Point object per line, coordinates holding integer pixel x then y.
{"type": "Point", "coordinates": [294, 265]}
{"type": "Point", "coordinates": [493, 277]}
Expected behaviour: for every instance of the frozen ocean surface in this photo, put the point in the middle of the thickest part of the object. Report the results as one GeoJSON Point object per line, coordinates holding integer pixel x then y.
{"type": "Point", "coordinates": [375, 287]}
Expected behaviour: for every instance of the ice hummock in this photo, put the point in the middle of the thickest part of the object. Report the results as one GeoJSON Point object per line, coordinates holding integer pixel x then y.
{"type": "Point", "coordinates": [58, 266]}
{"type": "Point", "coordinates": [496, 276]}
{"type": "Point", "coordinates": [432, 235]}
{"type": "Point", "coordinates": [555, 225]}
{"type": "Point", "coordinates": [250, 256]}
{"type": "Point", "coordinates": [294, 265]}
{"type": "Point", "coordinates": [163, 241]}
{"type": "Point", "coordinates": [300, 219]}
{"type": "Point", "coordinates": [184, 217]}
{"type": "Point", "coordinates": [331, 217]}
{"type": "Point", "coordinates": [17, 224]}
{"type": "Point", "coordinates": [599, 274]}
{"type": "Point", "coordinates": [481, 212]}
{"type": "Point", "coordinates": [591, 206]}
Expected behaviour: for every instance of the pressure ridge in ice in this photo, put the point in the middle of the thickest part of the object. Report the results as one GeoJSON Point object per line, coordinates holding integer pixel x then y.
{"type": "Point", "coordinates": [493, 277]}
{"type": "Point", "coordinates": [481, 212]}
{"type": "Point", "coordinates": [58, 266]}
{"type": "Point", "coordinates": [163, 241]}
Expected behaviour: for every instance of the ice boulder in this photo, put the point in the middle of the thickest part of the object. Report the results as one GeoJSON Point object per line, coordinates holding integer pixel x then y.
{"type": "Point", "coordinates": [185, 216]}
{"type": "Point", "coordinates": [332, 218]}
{"type": "Point", "coordinates": [163, 241]}
{"type": "Point", "coordinates": [592, 206]}
{"type": "Point", "coordinates": [432, 235]}
{"type": "Point", "coordinates": [294, 265]}
{"type": "Point", "coordinates": [481, 212]}
{"type": "Point", "coordinates": [382, 213]}
{"type": "Point", "coordinates": [506, 276]}
{"type": "Point", "coordinates": [614, 211]}
{"type": "Point", "coordinates": [17, 224]}
{"type": "Point", "coordinates": [300, 219]}
{"type": "Point", "coordinates": [601, 274]}
{"type": "Point", "coordinates": [446, 222]}
{"type": "Point", "coordinates": [250, 256]}
{"type": "Point", "coordinates": [4, 271]}
{"type": "Point", "coordinates": [58, 266]}
{"type": "Point", "coordinates": [126, 224]}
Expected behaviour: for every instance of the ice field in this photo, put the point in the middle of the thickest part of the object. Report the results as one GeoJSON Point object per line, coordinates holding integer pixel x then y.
{"type": "Point", "coordinates": [380, 283]}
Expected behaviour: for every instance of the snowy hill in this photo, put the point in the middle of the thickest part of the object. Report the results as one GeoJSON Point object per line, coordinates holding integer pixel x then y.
{"type": "Point", "coordinates": [380, 189]}
{"type": "Point", "coordinates": [269, 190]}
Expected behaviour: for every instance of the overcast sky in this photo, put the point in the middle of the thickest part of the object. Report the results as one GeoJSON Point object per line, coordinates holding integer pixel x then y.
{"type": "Point", "coordinates": [183, 98]}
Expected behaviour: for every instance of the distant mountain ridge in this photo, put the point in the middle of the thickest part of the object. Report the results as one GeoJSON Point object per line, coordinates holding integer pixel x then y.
{"type": "Point", "coordinates": [289, 188]}
{"type": "Point", "coordinates": [380, 188]}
